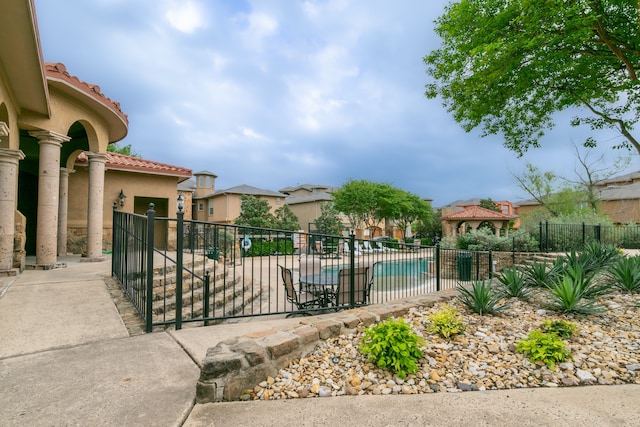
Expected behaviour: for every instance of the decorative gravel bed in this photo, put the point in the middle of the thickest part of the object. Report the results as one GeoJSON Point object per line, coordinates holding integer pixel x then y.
{"type": "Point", "coordinates": [605, 350]}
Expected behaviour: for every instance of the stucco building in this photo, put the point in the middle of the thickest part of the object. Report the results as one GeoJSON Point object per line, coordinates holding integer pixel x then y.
{"type": "Point", "coordinates": [47, 117]}
{"type": "Point", "coordinates": [224, 206]}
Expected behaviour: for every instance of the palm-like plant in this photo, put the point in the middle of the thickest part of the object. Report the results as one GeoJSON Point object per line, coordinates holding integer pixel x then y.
{"type": "Point", "coordinates": [482, 298]}
{"type": "Point", "coordinates": [514, 283]}
{"type": "Point", "coordinates": [625, 274]}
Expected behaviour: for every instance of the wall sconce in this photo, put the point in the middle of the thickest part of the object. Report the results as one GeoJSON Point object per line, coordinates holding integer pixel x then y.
{"type": "Point", "coordinates": [180, 203]}
{"type": "Point", "coordinates": [121, 197]}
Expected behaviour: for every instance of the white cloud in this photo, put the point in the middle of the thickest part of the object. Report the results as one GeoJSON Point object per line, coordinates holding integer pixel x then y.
{"type": "Point", "coordinates": [186, 16]}
{"type": "Point", "coordinates": [259, 27]}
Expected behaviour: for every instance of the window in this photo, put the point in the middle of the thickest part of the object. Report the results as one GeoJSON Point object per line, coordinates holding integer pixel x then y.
{"type": "Point", "coordinates": [505, 209]}
{"type": "Point", "coordinates": [208, 181]}
{"type": "Point", "coordinates": [210, 207]}
{"type": "Point", "coordinates": [277, 200]}
{"type": "Point", "coordinates": [200, 181]}
{"type": "Point", "coordinates": [200, 206]}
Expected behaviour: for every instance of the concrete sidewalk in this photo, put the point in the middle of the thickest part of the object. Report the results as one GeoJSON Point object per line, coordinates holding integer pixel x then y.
{"type": "Point", "coordinates": [66, 359]}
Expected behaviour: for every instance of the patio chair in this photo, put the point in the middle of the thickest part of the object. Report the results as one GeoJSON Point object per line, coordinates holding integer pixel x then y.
{"type": "Point", "coordinates": [416, 244]}
{"type": "Point", "coordinates": [366, 246]}
{"type": "Point", "coordinates": [347, 250]}
{"type": "Point", "coordinates": [382, 248]}
{"type": "Point", "coordinates": [361, 286]}
{"type": "Point", "coordinates": [303, 300]}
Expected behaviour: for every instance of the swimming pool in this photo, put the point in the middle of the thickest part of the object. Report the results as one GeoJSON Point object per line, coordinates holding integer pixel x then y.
{"type": "Point", "coordinates": [394, 274]}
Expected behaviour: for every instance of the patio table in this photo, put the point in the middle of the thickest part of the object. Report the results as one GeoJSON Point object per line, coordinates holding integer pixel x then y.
{"type": "Point", "coordinates": [323, 285]}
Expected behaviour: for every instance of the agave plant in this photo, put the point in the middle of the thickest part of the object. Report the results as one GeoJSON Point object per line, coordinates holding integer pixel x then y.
{"type": "Point", "coordinates": [575, 292]}
{"type": "Point", "coordinates": [482, 298]}
{"type": "Point", "coordinates": [625, 274]}
{"type": "Point", "coordinates": [514, 283]}
{"type": "Point", "coordinates": [540, 274]}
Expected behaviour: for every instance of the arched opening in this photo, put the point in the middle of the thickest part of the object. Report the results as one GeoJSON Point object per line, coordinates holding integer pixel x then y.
{"type": "Point", "coordinates": [28, 175]}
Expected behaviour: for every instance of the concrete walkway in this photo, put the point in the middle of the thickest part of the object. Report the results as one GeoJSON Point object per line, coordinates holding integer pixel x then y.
{"type": "Point", "coordinates": [66, 358]}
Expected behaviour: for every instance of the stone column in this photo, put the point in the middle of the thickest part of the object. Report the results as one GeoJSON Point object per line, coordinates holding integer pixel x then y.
{"type": "Point", "coordinates": [8, 183]}
{"type": "Point", "coordinates": [63, 210]}
{"type": "Point", "coordinates": [48, 189]}
{"type": "Point", "coordinates": [95, 205]}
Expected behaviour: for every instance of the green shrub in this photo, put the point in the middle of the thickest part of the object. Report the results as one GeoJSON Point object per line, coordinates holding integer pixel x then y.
{"type": "Point", "coordinates": [544, 347]}
{"type": "Point", "coordinates": [561, 328]}
{"type": "Point", "coordinates": [482, 298]}
{"type": "Point", "coordinates": [393, 345]}
{"type": "Point", "coordinates": [446, 322]}
{"type": "Point", "coordinates": [625, 274]}
{"type": "Point", "coordinates": [514, 283]}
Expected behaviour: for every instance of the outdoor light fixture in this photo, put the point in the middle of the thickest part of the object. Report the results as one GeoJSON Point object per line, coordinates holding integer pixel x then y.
{"type": "Point", "coordinates": [180, 202]}
{"type": "Point", "coordinates": [121, 196]}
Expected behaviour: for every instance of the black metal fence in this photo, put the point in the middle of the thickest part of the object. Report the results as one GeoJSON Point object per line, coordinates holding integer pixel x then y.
{"type": "Point", "coordinates": [567, 237]}
{"type": "Point", "coordinates": [178, 271]}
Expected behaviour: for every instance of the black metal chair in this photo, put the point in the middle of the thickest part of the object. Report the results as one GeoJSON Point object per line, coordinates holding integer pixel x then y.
{"type": "Point", "coordinates": [361, 286]}
{"type": "Point", "coordinates": [303, 300]}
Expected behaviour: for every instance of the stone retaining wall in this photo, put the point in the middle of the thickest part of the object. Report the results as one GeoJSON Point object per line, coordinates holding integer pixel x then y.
{"type": "Point", "coordinates": [234, 367]}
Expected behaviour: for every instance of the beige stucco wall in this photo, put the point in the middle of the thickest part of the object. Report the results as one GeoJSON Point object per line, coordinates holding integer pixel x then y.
{"type": "Point", "coordinates": [134, 185]}
{"type": "Point", "coordinates": [13, 140]}
{"type": "Point", "coordinates": [227, 207]}
{"type": "Point", "coordinates": [622, 211]}
{"type": "Point", "coordinates": [307, 212]}
{"type": "Point", "coordinates": [67, 111]}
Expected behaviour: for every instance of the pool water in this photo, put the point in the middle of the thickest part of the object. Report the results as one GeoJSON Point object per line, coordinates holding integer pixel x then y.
{"type": "Point", "coordinates": [393, 275]}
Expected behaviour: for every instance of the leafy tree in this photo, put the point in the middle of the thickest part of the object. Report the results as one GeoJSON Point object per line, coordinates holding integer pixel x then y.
{"type": "Point", "coordinates": [360, 202]}
{"type": "Point", "coordinates": [368, 203]}
{"type": "Point", "coordinates": [255, 213]}
{"type": "Point", "coordinates": [329, 220]}
{"type": "Point", "coordinates": [432, 226]}
{"type": "Point", "coordinates": [549, 191]}
{"type": "Point", "coordinates": [508, 65]}
{"type": "Point", "coordinates": [410, 208]}
{"type": "Point", "coordinates": [489, 204]}
{"type": "Point", "coordinates": [590, 172]}
{"type": "Point", "coordinates": [285, 219]}
{"type": "Point", "coordinates": [124, 149]}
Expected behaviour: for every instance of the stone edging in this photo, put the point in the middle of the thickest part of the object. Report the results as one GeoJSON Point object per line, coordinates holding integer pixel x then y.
{"type": "Point", "coordinates": [236, 365]}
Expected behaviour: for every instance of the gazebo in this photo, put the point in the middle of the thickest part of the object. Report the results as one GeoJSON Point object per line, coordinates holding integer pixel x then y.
{"type": "Point", "coordinates": [473, 217]}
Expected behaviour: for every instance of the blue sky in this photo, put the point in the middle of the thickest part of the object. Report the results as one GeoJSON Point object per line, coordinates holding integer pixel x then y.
{"type": "Point", "coordinates": [275, 93]}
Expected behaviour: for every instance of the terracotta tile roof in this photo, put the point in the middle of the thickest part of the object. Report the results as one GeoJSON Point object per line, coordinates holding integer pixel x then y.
{"type": "Point", "coordinates": [58, 70]}
{"type": "Point", "coordinates": [477, 212]}
{"type": "Point", "coordinates": [136, 164]}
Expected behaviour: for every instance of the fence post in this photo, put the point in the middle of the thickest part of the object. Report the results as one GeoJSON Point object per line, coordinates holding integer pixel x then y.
{"type": "Point", "coordinates": [113, 239]}
{"type": "Point", "coordinates": [179, 255]}
{"type": "Point", "coordinates": [352, 266]}
{"type": "Point", "coordinates": [437, 266]}
{"type": "Point", "coordinates": [149, 294]}
{"type": "Point", "coordinates": [207, 290]}
{"type": "Point", "coordinates": [584, 232]}
{"type": "Point", "coordinates": [546, 236]}
{"type": "Point", "coordinates": [490, 264]}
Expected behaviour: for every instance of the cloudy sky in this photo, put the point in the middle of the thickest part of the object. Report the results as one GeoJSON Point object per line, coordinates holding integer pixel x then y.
{"type": "Point", "coordinates": [275, 93]}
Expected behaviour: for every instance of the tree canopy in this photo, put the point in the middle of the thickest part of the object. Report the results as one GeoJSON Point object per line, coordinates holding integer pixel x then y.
{"type": "Point", "coordinates": [329, 220]}
{"type": "Point", "coordinates": [508, 65]}
{"type": "Point", "coordinates": [255, 212]}
{"type": "Point", "coordinates": [124, 149]}
{"type": "Point", "coordinates": [368, 203]}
